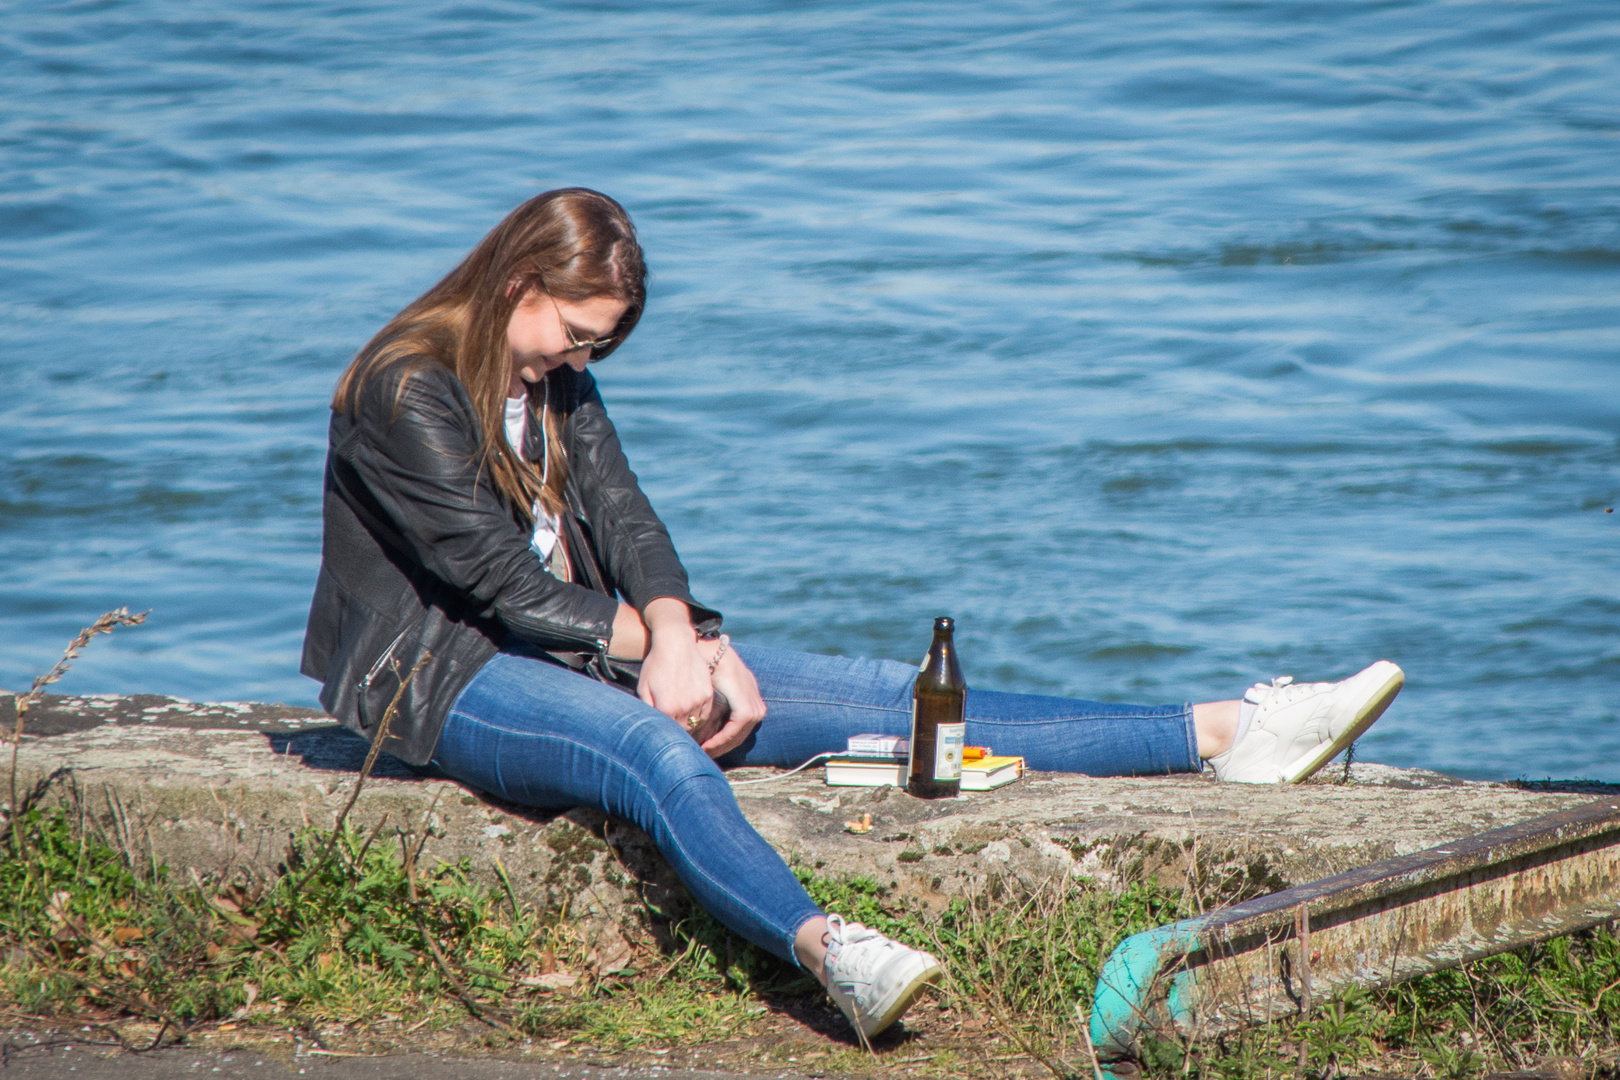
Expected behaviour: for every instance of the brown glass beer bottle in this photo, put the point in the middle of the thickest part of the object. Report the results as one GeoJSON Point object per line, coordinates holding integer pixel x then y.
{"type": "Point", "coordinates": [938, 719]}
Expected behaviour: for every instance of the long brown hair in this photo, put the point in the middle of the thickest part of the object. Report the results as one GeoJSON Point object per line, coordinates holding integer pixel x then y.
{"type": "Point", "coordinates": [573, 243]}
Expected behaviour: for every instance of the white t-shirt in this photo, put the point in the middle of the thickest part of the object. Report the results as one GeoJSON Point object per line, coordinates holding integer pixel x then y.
{"type": "Point", "coordinates": [546, 525]}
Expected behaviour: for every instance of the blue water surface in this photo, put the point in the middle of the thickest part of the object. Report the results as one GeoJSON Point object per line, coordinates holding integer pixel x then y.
{"type": "Point", "coordinates": [1167, 345]}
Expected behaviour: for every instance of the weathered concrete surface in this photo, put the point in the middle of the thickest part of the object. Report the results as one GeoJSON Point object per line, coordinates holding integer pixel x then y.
{"type": "Point", "coordinates": [221, 787]}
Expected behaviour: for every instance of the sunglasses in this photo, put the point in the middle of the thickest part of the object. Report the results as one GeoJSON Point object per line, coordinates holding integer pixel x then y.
{"type": "Point", "coordinates": [599, 347]}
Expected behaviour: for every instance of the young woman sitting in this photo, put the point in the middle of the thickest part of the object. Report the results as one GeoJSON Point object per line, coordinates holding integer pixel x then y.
{"type": "Point", "coordinates": [487, 547]}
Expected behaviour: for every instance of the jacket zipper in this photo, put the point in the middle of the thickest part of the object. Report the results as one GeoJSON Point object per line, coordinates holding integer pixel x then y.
{"type": "Point", "coordinates": [600, 644]}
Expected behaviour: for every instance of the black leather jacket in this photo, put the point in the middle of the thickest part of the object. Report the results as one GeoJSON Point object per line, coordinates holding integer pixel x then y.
{"type": "Point", "coordinates": [424, 562]}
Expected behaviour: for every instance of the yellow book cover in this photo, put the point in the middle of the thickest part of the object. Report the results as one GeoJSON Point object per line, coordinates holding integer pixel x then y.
{"type": "Point", "coordinates": [991, 772]}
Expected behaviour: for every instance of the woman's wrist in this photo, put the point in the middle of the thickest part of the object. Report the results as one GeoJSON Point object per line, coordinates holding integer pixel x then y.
{"type": "Point", "coordinates": [668, 620]}
{"type": "Point", "coordinates": [714, 650]}
{"type": "Point", "coordinates": [629, 638]}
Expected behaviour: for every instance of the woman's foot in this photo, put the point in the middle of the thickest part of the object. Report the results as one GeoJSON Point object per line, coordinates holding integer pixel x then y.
{"type": "Point", "coordinates": [1299, 727]}
{"type": "Point", "coordinates": [873, 979]}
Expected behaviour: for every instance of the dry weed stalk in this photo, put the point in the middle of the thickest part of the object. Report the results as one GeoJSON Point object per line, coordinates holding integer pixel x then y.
{"type": "Point", "coordinates": [378, 737]}
{"type": "Point", "coordinates": [104, 625]}
{"type": "Point", "coordinates": [1091, 1050]}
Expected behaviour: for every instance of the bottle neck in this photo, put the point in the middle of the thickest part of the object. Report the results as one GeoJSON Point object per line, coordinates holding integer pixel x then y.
{"type": "Point", "coordinates": [942, 671]}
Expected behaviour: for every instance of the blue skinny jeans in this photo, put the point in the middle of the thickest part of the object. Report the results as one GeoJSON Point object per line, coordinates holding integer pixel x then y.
{"type": "Point", "coordinates": [535, 733]}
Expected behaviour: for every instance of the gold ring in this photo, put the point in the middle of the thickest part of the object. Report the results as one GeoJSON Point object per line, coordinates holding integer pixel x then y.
{"type": "Point", "coordinates": [692, 722]}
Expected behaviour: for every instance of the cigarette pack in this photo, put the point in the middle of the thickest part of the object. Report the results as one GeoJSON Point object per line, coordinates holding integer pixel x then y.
{"type": "Point", "coordinates": [870, 744]}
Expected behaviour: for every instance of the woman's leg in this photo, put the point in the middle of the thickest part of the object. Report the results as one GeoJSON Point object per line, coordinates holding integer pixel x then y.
{"type": "Point", "coordinates": [816, 702]}
{"type": "Point", "coordinates": [540, 735]}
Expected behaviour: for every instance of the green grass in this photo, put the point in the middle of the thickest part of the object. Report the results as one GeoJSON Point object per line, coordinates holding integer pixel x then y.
{"type": "Point", "coordinates": [353, 933]}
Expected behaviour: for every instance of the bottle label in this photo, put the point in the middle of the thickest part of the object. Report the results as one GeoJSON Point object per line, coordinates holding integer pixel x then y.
{"type": "Point", "coordinates": [948, 751]}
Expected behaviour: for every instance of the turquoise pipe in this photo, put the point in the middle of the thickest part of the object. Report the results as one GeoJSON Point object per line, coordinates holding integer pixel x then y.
{"type": "Point", "coordinates": [1128, 977]}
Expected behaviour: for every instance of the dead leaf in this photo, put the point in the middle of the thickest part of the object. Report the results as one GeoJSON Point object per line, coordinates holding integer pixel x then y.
{"type": "Point", "coordinates": [65, 926]}
{"type": "Point", "coordinates": [612, 953]}
{"type": "Point", "coordinates": [56, 906]}
{"type": "Point", "coordinates": [551, 980]}
{"type": "Point", "coordinates": [251, 991]}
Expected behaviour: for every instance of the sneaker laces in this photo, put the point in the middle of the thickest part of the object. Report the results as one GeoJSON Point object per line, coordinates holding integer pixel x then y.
{"type": "Point", "coordinates": [1283, 690]}
{"type": "Point", "coordinates": [841, 934]}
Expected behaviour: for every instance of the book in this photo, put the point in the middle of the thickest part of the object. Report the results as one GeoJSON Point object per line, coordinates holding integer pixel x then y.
{"type": "Point", "coordinates": [991, 772]}
{"type": "Point", "coordinates": [866, 771]}
{"type": "Point", "coordinates": [890, 745]}
{"type": "Point", "coordinates": [876, 770]}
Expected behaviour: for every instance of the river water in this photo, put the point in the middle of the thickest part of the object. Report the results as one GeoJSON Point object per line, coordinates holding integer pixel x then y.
{"type": "Point", "coordinates": [1168, 346]}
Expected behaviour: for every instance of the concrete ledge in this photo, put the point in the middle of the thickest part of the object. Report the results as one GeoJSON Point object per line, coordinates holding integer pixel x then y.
{"type": "Point", "coordinates": [220, 788]}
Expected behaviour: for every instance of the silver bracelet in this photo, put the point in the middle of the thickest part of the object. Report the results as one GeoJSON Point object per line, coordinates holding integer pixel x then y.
{"type": "Point", "coordinates": [725, 643]}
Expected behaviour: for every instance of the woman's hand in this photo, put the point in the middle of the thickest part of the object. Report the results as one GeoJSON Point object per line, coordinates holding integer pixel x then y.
{"type": "Point", "coordinates": [733, 679]}
{"type": "Point", "coordinates": [675, 672]}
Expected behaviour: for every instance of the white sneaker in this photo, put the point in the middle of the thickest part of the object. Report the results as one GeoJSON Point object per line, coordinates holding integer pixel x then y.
{"type": "Point", "coordinates": [1299, 727]}
{"type": "Point", "coordinates": [873, 979]}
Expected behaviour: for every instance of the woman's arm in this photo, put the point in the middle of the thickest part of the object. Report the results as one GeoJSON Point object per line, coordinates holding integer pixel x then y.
{"type": "Point", "coordinates": [634, 547]}
{"type": "Point", "coordinates": [640, 562]}
{"type": "Point", "coordinates": [415, 462]}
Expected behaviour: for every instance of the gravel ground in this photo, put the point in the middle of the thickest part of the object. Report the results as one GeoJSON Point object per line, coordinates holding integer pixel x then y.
{"type": "Point", "coordinates": [45, 1056]}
